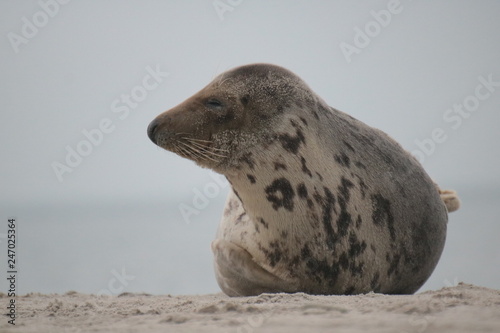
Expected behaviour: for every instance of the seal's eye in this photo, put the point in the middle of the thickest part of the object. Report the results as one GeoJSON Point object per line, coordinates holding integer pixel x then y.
{"type": "Point", "coordinates": [214, 103]}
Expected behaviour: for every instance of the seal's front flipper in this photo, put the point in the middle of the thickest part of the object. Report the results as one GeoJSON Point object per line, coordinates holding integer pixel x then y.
{"type": "Point", "coordinates": [238, 275]}
{"type": "Point", "coordinates": [450, 199]}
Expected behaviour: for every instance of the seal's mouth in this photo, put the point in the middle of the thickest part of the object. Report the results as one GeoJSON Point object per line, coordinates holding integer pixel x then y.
{"type": "Point", "coordinates": [198, 150]}
{"type": "Point", "coordinates": [185, 145]}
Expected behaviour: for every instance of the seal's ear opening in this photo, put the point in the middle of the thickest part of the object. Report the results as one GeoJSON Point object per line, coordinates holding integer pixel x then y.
{"type": "Point", "coordinates": [244, 100]}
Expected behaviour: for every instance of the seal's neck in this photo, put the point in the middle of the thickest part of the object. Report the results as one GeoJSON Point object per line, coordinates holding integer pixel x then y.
{"type": "Point", "coordinates": [276, 182]}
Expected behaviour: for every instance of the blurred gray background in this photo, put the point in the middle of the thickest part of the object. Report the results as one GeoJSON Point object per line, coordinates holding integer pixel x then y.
{"type": "Point", "coordinates": [113, 221]}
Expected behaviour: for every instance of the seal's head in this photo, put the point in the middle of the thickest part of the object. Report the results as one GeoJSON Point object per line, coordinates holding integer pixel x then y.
{"type": "Point", "coordinates": [231, 115]}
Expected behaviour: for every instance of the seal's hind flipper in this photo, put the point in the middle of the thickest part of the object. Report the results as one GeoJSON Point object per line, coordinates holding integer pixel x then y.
{"type": "Point", "coordinates": [450, 199]}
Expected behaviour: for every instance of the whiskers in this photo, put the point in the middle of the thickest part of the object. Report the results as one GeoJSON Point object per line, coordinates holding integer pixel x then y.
{"type": "Point", "coordinates": [197, 149]}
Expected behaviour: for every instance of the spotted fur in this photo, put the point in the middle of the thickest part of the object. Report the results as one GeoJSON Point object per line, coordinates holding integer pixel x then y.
{"type": "Point", "coordinates": [319, 203]}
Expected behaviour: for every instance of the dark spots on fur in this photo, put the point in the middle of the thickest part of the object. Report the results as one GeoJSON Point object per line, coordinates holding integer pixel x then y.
{"type": "Point", "coordinates": [305, 252]}
{"type": "Point", "coordinates": [387, 158]}
{"type": "Point", "coordinates": [294, 263]}
{"type": "Point", "coordinates": [360, 165]}
{"type": "Point", "coordinates": [359, 221]}
{"type": "Point", "coordinates": [328, 206]}
{"type": "Point", "coordinates": [303, 120]}
{"type": "Point", "coordinates": [244, 100]}
{"type": "Point", "coordinates": [327, 203]}
{"type": "Point", "coordinates": [317, 197]}
{"type": "Point", "coordinates": [292, 143]}
{"type": "Point", "coordinates": [343, 222]}
{"type": "Point", "coordinates": [284, 234]}
{"type": "Point", "coordinates": [343, 160]}
{"type": "Point", "coordinates": [382, 214]}
{"type": "Point", "coordinates": [411, 260]}
{"type": "Point", "coordinates": [263, 222]}
{"type": "Point", "coordinates": [356, 248]}
{"type": "Point", "coordinates": [348, 145]}
{"type": "Point", "coordinates": [374, 249]}
{"type": "Point", "coordinates": [310, 204]}
{"type": "Point", "coordinates": [344, 261]}
{"type": "Point", "coordinates": [420, 232]}
{"type": "Point", "coordinates": [356, 269]}
{"type": "Point", "coordinates": [247, 158]}
{"type": "Point", "coordinates": [251, 178]}
{"type": "Point", "coordinates": [279, 166]}
{"type": "Point", "coordinates": [302, 191]}
{"type": "Point", "coordinates": [362, 186]}
{"type": "Point", "coordinates": [311, 264]}
{"type": "Point", "coordinates": [383, 149]}
{"type": "Point", "coordinates": [330, 243]}
{"type": "Point", "coordinates": [350, 290]}
{"type": "Point", "coordinates": [280, 108]}
{"type": "Point", "coordinates": [303, 194]}
{"type": "Point", "coordinates": [344, 188]}
{"type": "Point", "coordinates": [320, 270]}
{"type": "Point", "coordinates": [374, 284]}
{"type": "Point", "coordinates": [319, 176]}
{"type": "Point", "coordinates": [344, 219]}
{"type": "Point", "coordinates": [315, 114]}
{"type": "Point", "coordinates": [420, 235]}
{"type": "Point", "coordinates": [284, 198]}
{"type": "Point", "coordinates": [239, 218]}
{"type": "Point", "coordinates": [224, 118]}
{"type": "Point", "coordinates": [394, 265]}
{"type": "Point", "coordinates": [231, 206]}
{"type": "Point", "coordinates": [274, 254]}
{"type": "Point", "coordinates": [263, 116]}
{"type": "Point", "coordinates": [304, 167]}
{"type": "Point", "coordinates": [402, 190]}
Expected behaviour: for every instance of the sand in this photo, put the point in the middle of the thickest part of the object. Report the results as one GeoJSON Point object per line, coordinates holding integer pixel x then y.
{"type": "Point", "coordinates": [463, 308]}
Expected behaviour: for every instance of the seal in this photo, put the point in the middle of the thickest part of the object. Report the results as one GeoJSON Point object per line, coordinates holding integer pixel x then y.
{"type": "Point", "coordinates": [320, 202]}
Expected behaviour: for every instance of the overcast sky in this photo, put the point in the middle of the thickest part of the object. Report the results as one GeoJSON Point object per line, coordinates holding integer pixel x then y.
{"type": "Point", "coordinates": [80, 82]}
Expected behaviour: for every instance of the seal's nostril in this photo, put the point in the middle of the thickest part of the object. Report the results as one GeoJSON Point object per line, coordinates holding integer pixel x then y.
{"type": "Point", "coordinates": [151, 130]}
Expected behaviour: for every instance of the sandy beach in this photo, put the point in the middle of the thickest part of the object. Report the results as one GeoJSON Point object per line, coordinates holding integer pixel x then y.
{"type": "Point", "coordinates": [463, 308]}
